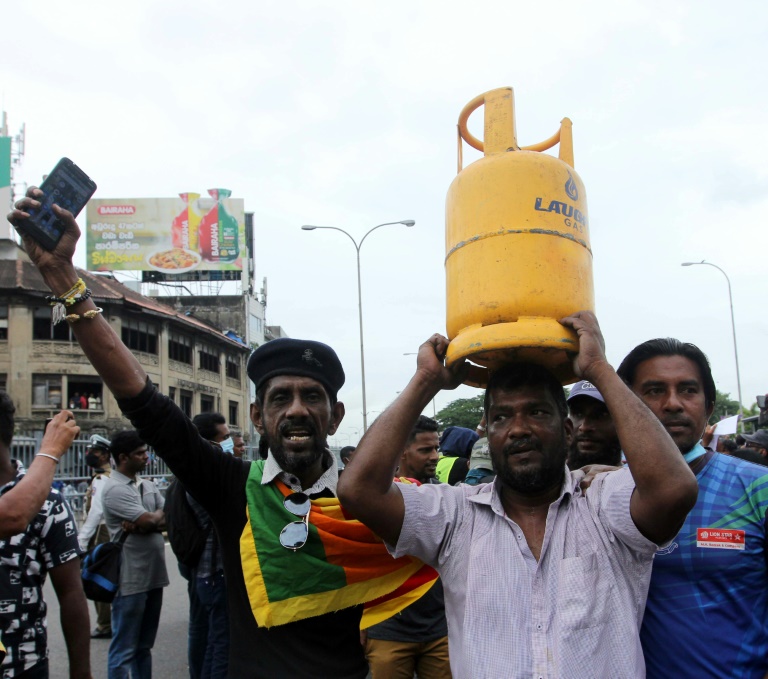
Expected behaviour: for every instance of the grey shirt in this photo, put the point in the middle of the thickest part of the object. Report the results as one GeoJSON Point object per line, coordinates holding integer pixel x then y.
{"type": "Point", "coordinates": [143, 566]}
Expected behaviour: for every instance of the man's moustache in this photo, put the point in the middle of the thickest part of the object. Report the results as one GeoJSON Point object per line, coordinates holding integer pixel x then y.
{"type": "Point", "coordinates": [521, 444]}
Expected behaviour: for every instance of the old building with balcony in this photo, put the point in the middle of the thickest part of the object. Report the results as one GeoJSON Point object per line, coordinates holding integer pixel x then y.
{"type": "Point", "coordinates": [43, 368]}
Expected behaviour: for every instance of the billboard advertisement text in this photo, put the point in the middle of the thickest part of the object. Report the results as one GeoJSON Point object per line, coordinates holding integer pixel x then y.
{"type": "Point", "coordinates": [170, 235]}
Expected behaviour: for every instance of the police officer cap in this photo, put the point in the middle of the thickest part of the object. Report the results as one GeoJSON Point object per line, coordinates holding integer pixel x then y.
{"type": "Point", "coordinates": [303, 358]}
{"type": "Point", "coordinates": [100, 442]}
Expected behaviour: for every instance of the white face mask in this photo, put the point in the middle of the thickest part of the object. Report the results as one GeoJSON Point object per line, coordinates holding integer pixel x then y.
{"type": "Point", "coordinates": [228, 445]}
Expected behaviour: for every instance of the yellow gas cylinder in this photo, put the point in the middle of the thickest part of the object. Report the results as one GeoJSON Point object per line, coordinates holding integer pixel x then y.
{"type": "Point", "coordinates": [518, 255]}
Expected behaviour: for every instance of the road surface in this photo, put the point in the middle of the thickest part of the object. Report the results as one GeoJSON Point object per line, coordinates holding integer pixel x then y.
{"type": "Point", "coordinates": [169, 657]}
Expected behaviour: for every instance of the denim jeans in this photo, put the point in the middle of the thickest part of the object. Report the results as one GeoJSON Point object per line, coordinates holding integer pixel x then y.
{"type": "Point", "coordinates": [135, 619]}
{"type": "Point", "coordinates": [208, 628]}
{"type": "Point", "coordinates": [197, 638]}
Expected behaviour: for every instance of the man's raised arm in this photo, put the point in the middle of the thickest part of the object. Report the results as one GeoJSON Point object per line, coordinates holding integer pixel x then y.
{"type": "Point", "coordinates": [117, 366]}
{"type": "Point", "coordinates": [366, 488]}
{"type": "Point", "coordinates": [665, 487]}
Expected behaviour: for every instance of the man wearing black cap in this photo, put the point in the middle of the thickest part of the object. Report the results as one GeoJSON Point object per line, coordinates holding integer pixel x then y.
{"type": "Point", "coordinates": [296, 407]}
{"type": "Point", "coordinates": [758, 442]}
{"type": "Point", "coordinates": [595, 440]}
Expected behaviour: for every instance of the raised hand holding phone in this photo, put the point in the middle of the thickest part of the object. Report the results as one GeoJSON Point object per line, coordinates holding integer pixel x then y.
{"type": "Point", "coordinates": [68, 187]}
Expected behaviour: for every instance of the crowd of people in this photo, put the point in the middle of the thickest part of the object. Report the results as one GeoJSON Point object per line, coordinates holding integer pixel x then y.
{"type": "Point", "coordinates": [80, 401]}
{"type": "Point", "coordinates": [590, 536]}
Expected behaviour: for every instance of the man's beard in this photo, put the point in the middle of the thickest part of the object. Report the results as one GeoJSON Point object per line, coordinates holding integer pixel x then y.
{"type": "Point", "coordinates": [531, 479]}
{"type": "Point", "coordinates": [610, 456]}
{"type": "Point", "coordinates": [298, 462]}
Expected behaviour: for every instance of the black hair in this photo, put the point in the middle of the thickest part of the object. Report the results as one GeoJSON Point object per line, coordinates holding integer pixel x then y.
{"type": "Point", "coordinates": [729, 445]}
{"type": "Point", "coordinates": [345, 451]}
{"type": "Point", "coordinates": [207, 423]}
{"type": "Point", "coordinates": [7, 409]}
{"type": "Point", "coordinates": [125, 442]}
{"type": "Point", "coordinates": [669, 347]}
{"type": "Point", "coordinates": [517, 375]}
{"type": "Point", "coordinates": [263, 447]}
{"type": "Point", "coordinates": [423, 424]}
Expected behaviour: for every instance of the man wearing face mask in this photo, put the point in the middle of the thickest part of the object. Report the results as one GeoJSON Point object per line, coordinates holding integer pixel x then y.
{"type": "Point", "coordinates": [94, 531]}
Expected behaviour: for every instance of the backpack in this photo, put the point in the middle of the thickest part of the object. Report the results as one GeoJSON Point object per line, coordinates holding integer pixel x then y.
{"type": "Point", "coordinates": [100, 570]}
{"type": "Point", "coordinates": [186, 535]}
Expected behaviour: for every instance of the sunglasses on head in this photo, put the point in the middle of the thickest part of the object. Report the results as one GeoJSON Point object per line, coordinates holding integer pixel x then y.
{"type": "Point", "coordinates": [294, 535]}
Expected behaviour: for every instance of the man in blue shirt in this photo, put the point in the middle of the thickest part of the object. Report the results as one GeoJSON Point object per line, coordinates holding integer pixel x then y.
{"type": "Point", "coordinates": [707, 609]}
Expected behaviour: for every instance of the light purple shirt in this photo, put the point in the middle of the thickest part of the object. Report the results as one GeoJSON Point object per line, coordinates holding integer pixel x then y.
{"type": "Point", "coordinates": [574, 613]}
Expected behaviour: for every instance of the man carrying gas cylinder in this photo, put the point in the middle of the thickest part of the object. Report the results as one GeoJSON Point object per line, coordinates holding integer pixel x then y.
{"type": "Point", "coordinates": [540, 578]}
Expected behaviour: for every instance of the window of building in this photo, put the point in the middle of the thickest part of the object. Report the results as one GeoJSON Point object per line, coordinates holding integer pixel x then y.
{"type": "Point", "coordinates": [206, 403]}
{"type": "Point", "coordinates": [139, 335]}
{"type": "Point", "coordinates": [46, 391]}
{"type": "Point", "coordinates": [233, 367]}
{"type": "Point", "coordinates": [185, 402]}
{"type": "Point", "coordinates": [43, 329]}
{"type": "Point", "coordinates": [3, 321]}
{"type": "Point", "coordinates": [233, 413]}
{"type": "Point", "coordinates": [256, 328]}
{"type": "Point", "coordinates": [209, 359]}
{"type": "Point", "coordinates": [180, 348]}
{"type": "Point", "coordinates": [3, 381]}
{"type": "Point", "coordinates": [172, 393]}
{"type": "Point", "coordinates": [84, 393]}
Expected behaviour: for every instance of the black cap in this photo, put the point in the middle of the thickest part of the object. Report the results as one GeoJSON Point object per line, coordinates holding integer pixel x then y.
{"type": "Point", "coordinates": [760, 437]}
{"type": "Point", "coordinates": [303, 358]}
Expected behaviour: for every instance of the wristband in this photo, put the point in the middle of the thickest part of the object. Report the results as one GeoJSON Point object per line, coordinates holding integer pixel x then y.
{"type": "Point", "coordinates": [50, 457]}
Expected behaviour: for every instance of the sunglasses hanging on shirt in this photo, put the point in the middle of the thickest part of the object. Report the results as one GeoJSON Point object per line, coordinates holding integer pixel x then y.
{"type": "Point", "coordinates": [294, 535]}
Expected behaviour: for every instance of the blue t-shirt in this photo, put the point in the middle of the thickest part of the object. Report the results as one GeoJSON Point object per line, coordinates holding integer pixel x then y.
{"type": "Point", "coordinates": [707, 610]}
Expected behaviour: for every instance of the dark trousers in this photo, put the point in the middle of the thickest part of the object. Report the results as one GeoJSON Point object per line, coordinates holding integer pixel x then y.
{"type": "Point", "coordinates": [39, 671]}
{"type": "Point", "coordinates": [208, 650]}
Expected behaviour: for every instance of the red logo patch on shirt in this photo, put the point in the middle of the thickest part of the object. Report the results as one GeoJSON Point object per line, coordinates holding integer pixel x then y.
{"type": "Point", "coordinates": [716, 538]}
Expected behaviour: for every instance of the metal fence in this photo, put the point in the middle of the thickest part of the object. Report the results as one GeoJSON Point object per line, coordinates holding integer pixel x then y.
{"type": "Point", "coordinates": [72, 474]}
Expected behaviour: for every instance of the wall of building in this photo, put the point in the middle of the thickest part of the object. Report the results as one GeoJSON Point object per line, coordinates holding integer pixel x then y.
{"type": "Point", "coordinates": [22, 358]}
{"type": "Point", "coordinates": [226, 312]}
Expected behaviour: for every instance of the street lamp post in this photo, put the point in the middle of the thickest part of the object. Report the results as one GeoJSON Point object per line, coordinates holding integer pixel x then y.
{"type": "Point", "coordinates": [733, 328]}
{"type": "Point", "coordinates": [309, 227]}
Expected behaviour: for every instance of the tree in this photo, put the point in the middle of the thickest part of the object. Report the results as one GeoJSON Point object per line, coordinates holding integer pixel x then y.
{"type": "Point", "coordinates": [725, 406]}
{"type": "Point", "coordinates": [463, 412]}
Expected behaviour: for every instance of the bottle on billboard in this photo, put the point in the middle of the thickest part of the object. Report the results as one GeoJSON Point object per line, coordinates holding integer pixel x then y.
{"type": "Point", "coordinates": [184, 230]}
{"type": "Point", "coordinates": [219, 233]}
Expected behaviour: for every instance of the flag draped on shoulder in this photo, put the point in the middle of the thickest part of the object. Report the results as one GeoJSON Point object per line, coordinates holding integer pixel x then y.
{"type": "Point", "coordinates": [342, 564]}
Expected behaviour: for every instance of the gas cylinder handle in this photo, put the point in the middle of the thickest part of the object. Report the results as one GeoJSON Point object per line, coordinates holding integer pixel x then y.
{"type": "Point", "coordinates": [564, 135]}
{"type": "Point", "coordinates": [464, 133]}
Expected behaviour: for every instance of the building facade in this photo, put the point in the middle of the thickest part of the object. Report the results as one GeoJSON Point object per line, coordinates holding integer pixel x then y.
{"type": "Point", "coordinates": [43, 368]}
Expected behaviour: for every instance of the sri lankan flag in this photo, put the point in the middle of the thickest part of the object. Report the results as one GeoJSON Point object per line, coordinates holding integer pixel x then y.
{"type": "Point", "coordinates": [342, 563]}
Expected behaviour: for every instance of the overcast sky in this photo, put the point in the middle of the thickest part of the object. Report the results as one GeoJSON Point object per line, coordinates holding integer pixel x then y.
{"type": "Point", "coordinates": [344, 113]}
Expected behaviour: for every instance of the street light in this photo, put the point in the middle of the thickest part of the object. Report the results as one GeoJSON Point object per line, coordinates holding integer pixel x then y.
{"type": "Point", "coordinates": [733, 327]}
{"type": "Point", "coordinates": [309, 227]}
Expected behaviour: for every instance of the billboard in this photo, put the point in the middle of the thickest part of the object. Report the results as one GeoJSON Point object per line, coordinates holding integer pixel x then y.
{"type": "Point", "coordinates": [6, 193]}
{"type": "Point", "coordinates": [168, 235]}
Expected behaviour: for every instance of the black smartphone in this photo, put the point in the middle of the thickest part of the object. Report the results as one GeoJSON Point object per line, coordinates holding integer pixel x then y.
{"type": "Point", "coordinates": [67, 186]}
{"type": "Point", "coordinates": [47, 422]}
